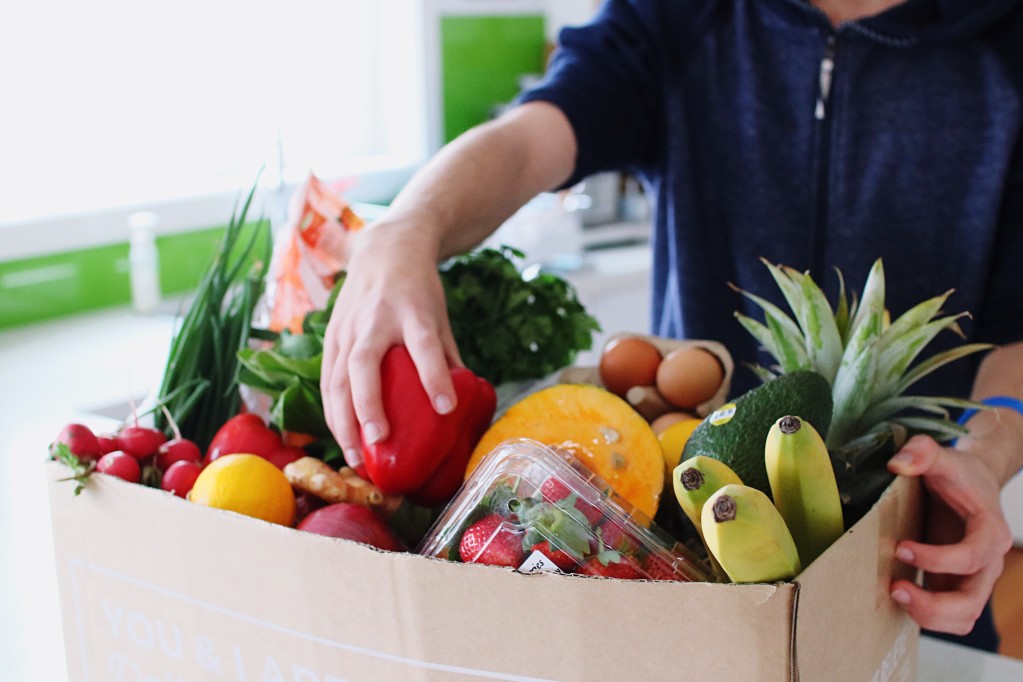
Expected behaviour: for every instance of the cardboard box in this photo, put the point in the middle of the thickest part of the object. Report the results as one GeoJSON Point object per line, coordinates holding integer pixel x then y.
{"type": "Point", "coordinates": [154, 588]}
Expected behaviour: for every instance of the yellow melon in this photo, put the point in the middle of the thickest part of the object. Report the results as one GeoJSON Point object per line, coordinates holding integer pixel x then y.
{"type": "Point", "coordinates": [598, 427]}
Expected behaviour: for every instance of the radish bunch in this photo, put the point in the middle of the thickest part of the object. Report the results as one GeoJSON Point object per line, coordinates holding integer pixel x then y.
{"type": "Point", "coordinates": [123, 454]}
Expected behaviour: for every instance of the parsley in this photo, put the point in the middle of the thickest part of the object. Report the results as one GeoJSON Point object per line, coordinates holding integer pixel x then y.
{"type": "Point", "coordinates": [507, 327]}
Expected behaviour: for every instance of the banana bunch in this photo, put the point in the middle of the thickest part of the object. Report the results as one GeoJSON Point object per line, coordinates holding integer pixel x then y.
{"type": "Point", "coordinates": [750, 537]}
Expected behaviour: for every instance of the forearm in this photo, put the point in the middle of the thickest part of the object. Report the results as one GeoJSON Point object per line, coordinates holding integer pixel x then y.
{"type": "Point", "coordinates": [996, 435]}
{"type": "Point", "coordinates": [480, 179]}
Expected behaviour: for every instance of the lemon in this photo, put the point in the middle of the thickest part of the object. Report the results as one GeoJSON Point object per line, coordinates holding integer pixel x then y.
{"type": "Point", "coordinates": [673, 439]}
{"type": "Point", "coordinates": [246, 484]}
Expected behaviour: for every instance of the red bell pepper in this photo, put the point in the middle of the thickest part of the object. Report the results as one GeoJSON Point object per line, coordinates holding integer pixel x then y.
{"type": "Point", "coordinates": [445, 481]}
{"type": "Point", "coordinates": [425, 453]}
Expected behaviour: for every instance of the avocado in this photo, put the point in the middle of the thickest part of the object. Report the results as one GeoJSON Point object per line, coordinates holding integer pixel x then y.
{"type": "Point", "coordinates": [736, 432]}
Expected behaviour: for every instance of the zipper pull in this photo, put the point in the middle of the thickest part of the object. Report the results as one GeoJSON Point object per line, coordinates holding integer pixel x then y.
{"type": "Point", "coordinates": [824, 78]}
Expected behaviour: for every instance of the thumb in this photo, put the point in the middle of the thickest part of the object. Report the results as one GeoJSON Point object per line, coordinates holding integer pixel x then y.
{"type": "Point", "coordinates": [945, 473]}
{"type": "Point", "coordinates": [921, 456]}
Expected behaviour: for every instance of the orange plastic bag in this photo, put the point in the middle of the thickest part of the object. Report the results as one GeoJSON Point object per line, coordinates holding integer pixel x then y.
{"type": "Point", "coordinates": [310, 251]}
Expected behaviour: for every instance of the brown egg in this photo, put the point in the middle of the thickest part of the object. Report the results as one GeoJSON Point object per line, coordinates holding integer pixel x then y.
{"type": "Point", "coordinates": [628, 361]}
{"type": "Point", "coordinates": [669, 418]}
{"type": "Point", "coordinates": [688, 377]}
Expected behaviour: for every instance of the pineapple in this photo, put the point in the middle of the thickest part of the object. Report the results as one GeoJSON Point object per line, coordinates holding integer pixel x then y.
{"type": "Point", "coordinates": [863, 354]}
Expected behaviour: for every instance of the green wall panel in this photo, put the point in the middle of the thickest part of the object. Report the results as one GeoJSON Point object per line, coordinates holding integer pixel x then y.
{"type": "Point", "coordinates": [482, 58]}
{"type": "Point", "coordinates": [52, 286]}
{"type": "Point", "coordinates": [184, 258]}
{"type": "Point", "coordinates": [42, 288]}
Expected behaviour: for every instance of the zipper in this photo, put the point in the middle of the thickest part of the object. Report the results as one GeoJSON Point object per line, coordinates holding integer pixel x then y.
{"type": "Point", "coordinates": [822, 149]}
{"type": "Point", "coordinates": [827, 68]}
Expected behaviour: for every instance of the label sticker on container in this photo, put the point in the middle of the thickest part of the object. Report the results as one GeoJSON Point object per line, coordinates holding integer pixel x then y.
{"type": "Point", "coordinates": [538, 562]}
{"type": "Point", "coordinates": [722, 415]}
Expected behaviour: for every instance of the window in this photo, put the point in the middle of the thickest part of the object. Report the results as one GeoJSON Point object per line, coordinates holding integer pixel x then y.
{"type": "Point", "coordinates": [122, 103]}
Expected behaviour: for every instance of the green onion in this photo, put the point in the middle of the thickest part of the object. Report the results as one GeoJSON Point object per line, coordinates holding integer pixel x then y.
{"type": "Point", "coordinates": [200, 380]}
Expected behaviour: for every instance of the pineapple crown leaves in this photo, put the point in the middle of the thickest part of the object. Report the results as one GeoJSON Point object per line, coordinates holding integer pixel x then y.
{"type": "Point", "coordinates": [865, 356]}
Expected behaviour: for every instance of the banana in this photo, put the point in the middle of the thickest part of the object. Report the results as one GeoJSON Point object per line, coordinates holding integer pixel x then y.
{"type": "Point", "coordinates": [695, 480]}
{"type": "Point", "coordinates": [803, 486]}
{"type": "Point", "coordinates": [748, 537]}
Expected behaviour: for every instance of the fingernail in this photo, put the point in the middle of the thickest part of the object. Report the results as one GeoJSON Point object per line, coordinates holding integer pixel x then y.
{"type": "Point", "coordinates": [353, 457]}
{"type": "Point", "coordinates": [371, 432]}
{"type": "Point", "coordinates": [443, 404]}
{"type": "Point", "coordinates": [905, 555]}
{"type": "Point", "coordinates": [901, 596]}
{"type": "Point", "coordinates": [902, 460]}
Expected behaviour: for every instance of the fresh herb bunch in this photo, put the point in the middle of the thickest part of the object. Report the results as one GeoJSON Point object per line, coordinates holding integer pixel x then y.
{"type": "Point", "coordinates": [288, 371]}
{"type": "Point", "coordinates": [200, 381]}
{"type": "Point", "coordinates": [509, 327]}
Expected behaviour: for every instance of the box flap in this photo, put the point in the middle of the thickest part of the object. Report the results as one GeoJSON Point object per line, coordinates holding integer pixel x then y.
{"type": "Point", "coordinates": [846, 620]}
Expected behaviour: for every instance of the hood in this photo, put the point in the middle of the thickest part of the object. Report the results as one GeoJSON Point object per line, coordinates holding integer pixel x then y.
{"type": "Point", "coordinates": [939, 20]}
{"type": "Point", "coordinates": [927, 21]}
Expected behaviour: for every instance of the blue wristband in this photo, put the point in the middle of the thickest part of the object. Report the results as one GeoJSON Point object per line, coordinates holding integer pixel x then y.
{"type": "Point", "coordinates": [994, 401]}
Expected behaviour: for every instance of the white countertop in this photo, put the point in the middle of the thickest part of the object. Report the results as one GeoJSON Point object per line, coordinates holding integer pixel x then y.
{"type": "Point", "coordinates": [944, 662]}
{"type": "Point", "coordinates": [54, 372]}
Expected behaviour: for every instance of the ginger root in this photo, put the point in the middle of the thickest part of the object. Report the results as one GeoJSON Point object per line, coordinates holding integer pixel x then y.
{"type": "Point", "coordinates": [318, 478]}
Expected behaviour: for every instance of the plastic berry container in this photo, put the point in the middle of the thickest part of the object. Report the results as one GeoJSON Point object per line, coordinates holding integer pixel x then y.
{"type": "Point", "coordinates": [532, 508]}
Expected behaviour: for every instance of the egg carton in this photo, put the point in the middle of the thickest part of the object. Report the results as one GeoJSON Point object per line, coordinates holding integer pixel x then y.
{"type": "Point", "coordinates": [647, 400]}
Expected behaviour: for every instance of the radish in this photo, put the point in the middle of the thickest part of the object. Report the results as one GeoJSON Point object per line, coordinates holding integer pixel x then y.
{"type": "Point", "coordinates": [177, 449]}
{"type": "Point", "coordinates": [285, 455]}
{"type": "Point", "coordinates": [140, 441]}
{"type": "Point", "coordinates": [107, 442]}
{"type": "Point", "coordinates": [120, 464]}
{"type": "Point", "coordinates": [244, 433]}
{"type": "Point", "coordinates": [81, 441]}
{"type": "Point", "coordinates": [180, 477]}
{"type": "Point", "coordinates": [352, 522]}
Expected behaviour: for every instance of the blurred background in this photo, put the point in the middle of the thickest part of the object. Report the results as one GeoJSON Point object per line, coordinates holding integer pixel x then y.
{"type": "Point", "coordinates": [156, 116]}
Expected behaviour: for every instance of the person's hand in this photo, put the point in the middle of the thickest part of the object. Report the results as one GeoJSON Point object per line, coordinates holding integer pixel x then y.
{"type": "Point", "coordinates": [392, 295]}
{"type": "Point", "coordinates": [966, 536]}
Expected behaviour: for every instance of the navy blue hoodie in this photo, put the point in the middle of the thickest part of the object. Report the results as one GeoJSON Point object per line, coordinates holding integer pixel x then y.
{"type": "Point", "coordinates": [910, 153]}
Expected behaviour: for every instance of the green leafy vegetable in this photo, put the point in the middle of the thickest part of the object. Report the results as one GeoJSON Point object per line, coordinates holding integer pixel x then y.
{"type": "Point", "coordinates": [200, 381]}
{"type": "Point", "coordinates": [509, 327]}
{"type": "Point", "coordinates": [288, 371]}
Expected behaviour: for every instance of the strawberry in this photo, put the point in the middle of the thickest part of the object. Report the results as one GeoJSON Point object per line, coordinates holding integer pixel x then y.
{"type": "Point", "coordinates": [562, 559]}
{"type": "Point", "coordinates": [657, 568]}
{"type": "Point", "coordinates": [611, 564]}
{"type": "Point", "coordinates": [615, 536]}
{"type": "Point", "coordinates": [492, 541]}
{"type": "Point", "coordinates": [555, 490]}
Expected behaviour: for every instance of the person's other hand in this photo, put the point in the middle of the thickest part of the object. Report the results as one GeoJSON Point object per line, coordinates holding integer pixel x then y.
{"type": "Point", "coordinates": [392, 295]}
{"type": "Point", "coordinates": [966, 534]}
